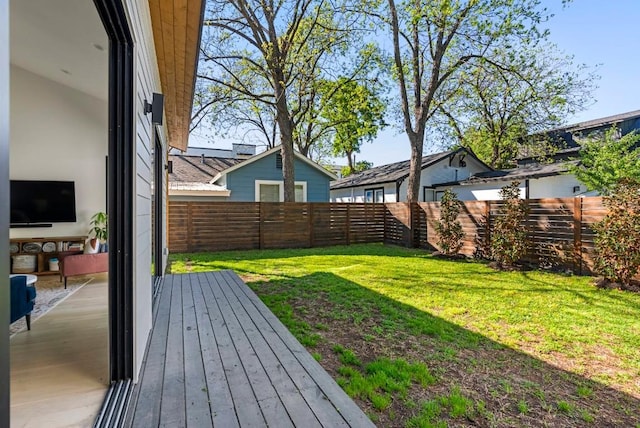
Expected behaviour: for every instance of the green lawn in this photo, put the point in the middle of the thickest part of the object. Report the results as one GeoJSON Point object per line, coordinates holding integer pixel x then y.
{"type": "Point", "coordinates": [419, 341]}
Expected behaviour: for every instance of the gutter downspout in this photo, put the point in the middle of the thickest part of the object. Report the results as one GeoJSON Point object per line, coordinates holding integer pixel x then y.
{"type": "Point", "coordinates": [526, 188]}
{"type": "Point", "coordinates": [398, 184]}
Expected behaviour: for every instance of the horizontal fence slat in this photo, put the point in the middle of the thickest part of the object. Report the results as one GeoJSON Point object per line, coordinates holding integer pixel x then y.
{"type": "Point", "coordinates": [216, 226]}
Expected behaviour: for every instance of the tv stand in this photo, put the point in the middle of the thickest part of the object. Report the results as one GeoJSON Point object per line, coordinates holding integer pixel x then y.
{"type": "Point", "coordinates": [20, 225]}
{"type": "Point", "coordinates": [60, 244]}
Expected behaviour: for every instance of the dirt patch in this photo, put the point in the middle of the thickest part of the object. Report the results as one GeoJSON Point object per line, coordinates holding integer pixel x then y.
{"type": "Point", "coordinates": [633, 286]}
{"type": "Point", "coordinates": [506, 387]}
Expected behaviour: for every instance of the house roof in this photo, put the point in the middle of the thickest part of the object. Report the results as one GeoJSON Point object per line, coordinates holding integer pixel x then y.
{"type": "Point", "coordinates": [597, 123]}
{"type": "Point", "coordinates": [269, 152]}
{"type": "Point", "coordinates": [516, 174]}
{"type": "Point", "coordinates": [176, 33]}
{"type": "Point", "coordinates": [197, 169]}
{"type": "Point", "coordinates": [392, 172]}
{"type": "Point", "coordinates": [197, 189]}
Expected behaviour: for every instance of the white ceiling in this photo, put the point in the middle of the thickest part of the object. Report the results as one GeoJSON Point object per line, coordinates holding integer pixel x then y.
{"type": "Point", "coordinates": [58, 39]}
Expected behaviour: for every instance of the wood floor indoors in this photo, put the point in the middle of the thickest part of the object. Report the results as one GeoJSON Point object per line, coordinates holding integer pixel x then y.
{"type": "Point", "coordinates": [59, 369]}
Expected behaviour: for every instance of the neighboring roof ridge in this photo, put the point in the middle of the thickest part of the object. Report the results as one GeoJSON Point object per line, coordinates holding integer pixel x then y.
{"type": "Point", "coordinates": [395, 171]}
{"type": "Point", "coordinates": [593, 122]}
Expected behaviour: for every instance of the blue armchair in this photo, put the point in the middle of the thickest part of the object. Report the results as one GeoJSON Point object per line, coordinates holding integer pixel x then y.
{"type": "Point", "coordinates": [22, 299]}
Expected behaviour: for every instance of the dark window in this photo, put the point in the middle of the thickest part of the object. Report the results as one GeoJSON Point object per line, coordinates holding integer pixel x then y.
{"type": "Point", "coordinates": [374, 195]}
{"type": "Point", "coordinates": [278, 161]}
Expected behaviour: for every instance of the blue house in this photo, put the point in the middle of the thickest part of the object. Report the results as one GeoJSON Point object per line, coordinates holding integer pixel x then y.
{"type": "Point", "coordinates": [254, 179]}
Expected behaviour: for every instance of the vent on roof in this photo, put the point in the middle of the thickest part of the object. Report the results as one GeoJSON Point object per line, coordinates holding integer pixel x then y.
{"type": "Point", "coordinates": [278, 161]}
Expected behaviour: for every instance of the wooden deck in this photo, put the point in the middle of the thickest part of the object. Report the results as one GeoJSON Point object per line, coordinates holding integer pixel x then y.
{"type": "Point", "coordinates": [219, 357]}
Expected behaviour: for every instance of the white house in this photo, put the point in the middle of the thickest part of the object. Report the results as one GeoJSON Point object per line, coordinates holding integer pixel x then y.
{"type": "Point", "coordinates": [536, 181]}
{"type": "Point", "coordinates": [81, 85]}
{"type": "Point", "coordinates": [388, 183]}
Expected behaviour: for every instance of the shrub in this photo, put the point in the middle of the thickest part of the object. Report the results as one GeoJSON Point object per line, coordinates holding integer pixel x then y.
{"type": "Point", "coordinates": [617, 241]}
{"type": "Point", "coordinates": [509, 234]}
{"type": "Point", "coordinates": [449, 229]}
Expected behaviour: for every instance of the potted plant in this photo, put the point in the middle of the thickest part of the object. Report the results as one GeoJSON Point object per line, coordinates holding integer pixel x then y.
{"type": "Point", "coordinates": [98, 225]}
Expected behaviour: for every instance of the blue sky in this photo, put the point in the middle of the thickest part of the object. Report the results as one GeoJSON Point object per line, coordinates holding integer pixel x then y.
{"type": "Point", "coordinates": [603, 32]}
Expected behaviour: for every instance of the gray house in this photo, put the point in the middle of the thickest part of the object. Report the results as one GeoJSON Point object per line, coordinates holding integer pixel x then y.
{"type": "Point", "coordinates": [543, 179]}
{"type": "Point", "coordinates": [388, 183]}
{"type": "Point", "coordinates": [256, 179]}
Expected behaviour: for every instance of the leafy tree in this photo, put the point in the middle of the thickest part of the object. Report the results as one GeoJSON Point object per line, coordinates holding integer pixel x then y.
{"type": "Point", "coordinates": [435, 41]}
{"type": "Point", "coordinates": [499, 108]}
{"type": "Point", "coordinates": [617, 241]}
{"type": "Point", "coordinates": [449, 229]}
{"type": "Point", "coordinates": [509, 233]}
{"type": "Point", "coordinates": [357, 167]}
{"type": "Point", "coordinates": [607, 160]}
{"type": "Point", "coordinates": [257, 53]}
{"type": "Point", "coordinates": [262, 64]}
{"type": "Point", "coordinates": [355, 113]}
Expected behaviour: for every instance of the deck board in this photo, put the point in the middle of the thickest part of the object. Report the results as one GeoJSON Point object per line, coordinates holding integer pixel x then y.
{"type": "Point", "coordinates": [218, 357]}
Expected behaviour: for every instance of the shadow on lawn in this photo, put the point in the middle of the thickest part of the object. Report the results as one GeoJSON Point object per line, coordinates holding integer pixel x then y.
{"type": "Point", "coordinates": [506, 386]}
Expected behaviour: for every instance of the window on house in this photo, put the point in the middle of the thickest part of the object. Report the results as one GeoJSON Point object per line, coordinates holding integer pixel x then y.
{"type": "Point", "coordinates": [300, 193]}
{"type": "Point", "coordinates": [269, 193]}
{"type": "Point", "coordinates": [374, 195]}
{"type": "Point", "coordinates": [368, 196]}
{"type": "Point", "coordinates": [428, 195]}
{"type": "Point", "coordinates": [273, 191]}
{"type": "Point", "coordinates": [278, 161]}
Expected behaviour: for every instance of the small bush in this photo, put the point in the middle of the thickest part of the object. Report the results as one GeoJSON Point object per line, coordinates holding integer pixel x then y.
{"type": "Point", "coordinates": [449, 229]}
{"type": "Point", "coordinates": [617, 241]}
{"type": "Point", "coordinates": [509, 234]}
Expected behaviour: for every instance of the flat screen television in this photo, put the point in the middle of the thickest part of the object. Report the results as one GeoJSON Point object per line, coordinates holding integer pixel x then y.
{"type": "Point", "coordinates": [38, 202]}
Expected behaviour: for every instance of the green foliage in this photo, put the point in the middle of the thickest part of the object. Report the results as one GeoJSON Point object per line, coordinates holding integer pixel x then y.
{"type": "Point", "coordinates": [98, 225]}
{"type": "Point", "coordinates": [356, 113]}
{"type": "Point", "coordinates": [357, 167]}
{"type": "Point", "coordinates": [383, 379]}
{"type": "Point", "coordinates": [617, 241]}
{"type": "Point", "coordinates": [606, 160]}
{"type": "Point", "coordinates": [523, 407]}
{"type": "Point", "coordinates": [346, 356]}
{"type": "Point", "coordinates": [458, 36]}
{"type": "Point", "coordinates": [458, 404]}
{"type": "Point", "coordinates": [427, 418]}
{"type": "Point", "coordinates": [534, 90]}
{"type": "Point", "coordinates": [449, 229]}
{"type": "Point", "coordinates": [509, 233]}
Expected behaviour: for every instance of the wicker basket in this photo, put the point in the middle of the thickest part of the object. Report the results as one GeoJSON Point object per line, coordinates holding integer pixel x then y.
{"type": "Point", "coordinates": [24, 263]}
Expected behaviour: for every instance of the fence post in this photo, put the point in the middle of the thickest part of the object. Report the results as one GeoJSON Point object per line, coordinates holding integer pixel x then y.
{"type": "Point", "coordinates": [260, 228]}
{"type": "Point", "coordinates": [348, 225]}
{"type": "Point", "coordinates": [415, 224]}
{"type": "Point", "coordinates": [384, 225]}
{"type": "Point", "coordinates": [310, 216]}
{"type": "Point", "coordinates": [487, 228]}
{"type": "Point", "coordinates": [577, 235]}
{"type": "Point", "coordinates": [189, 226]}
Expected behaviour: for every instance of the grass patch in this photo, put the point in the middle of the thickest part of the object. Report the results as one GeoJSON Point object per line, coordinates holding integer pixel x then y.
{"type": "Point", "coordinates": [382, 379]}
{"type": "Point", "coordinates": [500, 336]}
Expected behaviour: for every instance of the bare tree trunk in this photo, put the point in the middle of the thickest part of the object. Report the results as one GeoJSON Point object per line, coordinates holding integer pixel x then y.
{"type": "Point", "coordinates": [283, 117]}
{"type": "Point", "coordinates": [350, 160]}
{"type": "Point", "coordinates": [415, 167]}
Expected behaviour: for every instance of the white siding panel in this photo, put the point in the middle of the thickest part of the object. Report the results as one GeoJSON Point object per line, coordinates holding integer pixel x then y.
{"type": "Point", "coordinates": [557, 186]}
{"type": "Point", "coordinates": [146, 82]}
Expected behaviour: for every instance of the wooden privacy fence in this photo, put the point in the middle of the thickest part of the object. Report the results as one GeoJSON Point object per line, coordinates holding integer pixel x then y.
{"type": "Point", "coordinates": [560, 235]}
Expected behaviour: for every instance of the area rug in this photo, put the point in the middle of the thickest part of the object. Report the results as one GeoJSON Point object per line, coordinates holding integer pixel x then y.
{"type": "Point", "coordinates": [49, 293]}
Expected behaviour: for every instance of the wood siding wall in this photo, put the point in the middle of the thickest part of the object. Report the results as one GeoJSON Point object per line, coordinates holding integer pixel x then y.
{"type": "Point", "coordinates": [560, 230]}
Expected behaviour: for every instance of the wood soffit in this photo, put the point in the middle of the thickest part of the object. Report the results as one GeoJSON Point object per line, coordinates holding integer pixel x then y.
{"type": "Point", "coordinates": [176, 34]}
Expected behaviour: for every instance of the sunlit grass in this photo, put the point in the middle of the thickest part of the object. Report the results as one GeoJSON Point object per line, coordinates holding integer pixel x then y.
{"type": "Point", "coordinates": [537, 312]}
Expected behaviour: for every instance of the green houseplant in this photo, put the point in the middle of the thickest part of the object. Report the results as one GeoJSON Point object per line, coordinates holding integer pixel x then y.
{"type": "Point", "coordinates": [98, 225]}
